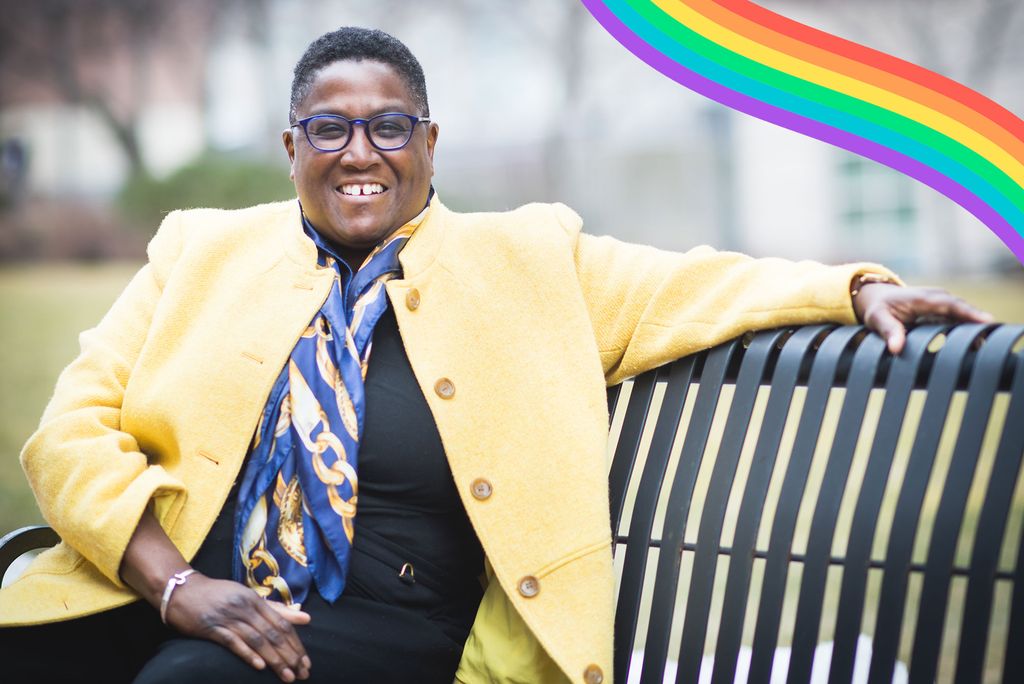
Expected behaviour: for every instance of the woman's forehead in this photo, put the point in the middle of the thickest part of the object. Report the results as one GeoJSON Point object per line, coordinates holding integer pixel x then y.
{"type": "Point", "coordinates": [357, 88]}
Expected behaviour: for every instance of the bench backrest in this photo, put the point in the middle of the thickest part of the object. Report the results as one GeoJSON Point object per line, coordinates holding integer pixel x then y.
{"type": "Point", "coordinates": [779, 497]}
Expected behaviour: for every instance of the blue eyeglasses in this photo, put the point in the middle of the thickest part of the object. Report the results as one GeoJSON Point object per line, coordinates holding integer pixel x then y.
{"type": "Point", "coordinates": [387, 132]}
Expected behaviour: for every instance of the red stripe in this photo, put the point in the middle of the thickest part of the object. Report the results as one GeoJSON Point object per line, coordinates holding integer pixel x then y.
{"type": "Point", "coordinates": [865, 73]}
{"type": "Point", "coordinates": [879, 60]}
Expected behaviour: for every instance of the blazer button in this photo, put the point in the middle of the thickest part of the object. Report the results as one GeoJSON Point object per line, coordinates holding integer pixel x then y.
{"type": "Point", "coordinates": [445, 388]}
{"type": "Point", "coordinates": [412, 299]}
{"type": "Point", "coordinates": [481, 489]}
{"type": "Point", "coordinates": [529, 586]}
{"type": "Point", "coordinates": [593, 675]}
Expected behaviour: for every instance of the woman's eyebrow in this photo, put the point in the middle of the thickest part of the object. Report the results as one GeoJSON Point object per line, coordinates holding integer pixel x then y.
{"type": "Point", "coordinates": [386, 109]}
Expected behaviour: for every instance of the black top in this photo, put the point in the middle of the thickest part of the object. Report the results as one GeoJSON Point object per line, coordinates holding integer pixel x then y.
{"type": "Point", "coordinates": [408, 512]}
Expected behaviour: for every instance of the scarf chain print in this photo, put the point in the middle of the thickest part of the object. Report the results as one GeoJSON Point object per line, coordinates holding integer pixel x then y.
{"type": "Point", "coordinates": [294, 524]}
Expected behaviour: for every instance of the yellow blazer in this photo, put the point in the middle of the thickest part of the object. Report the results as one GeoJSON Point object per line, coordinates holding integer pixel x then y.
{"type": "Point", "coordinates": [525, 316]}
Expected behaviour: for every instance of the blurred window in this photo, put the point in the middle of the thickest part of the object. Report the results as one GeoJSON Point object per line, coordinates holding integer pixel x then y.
{"type": "Point", "coordinates": [877, 213]}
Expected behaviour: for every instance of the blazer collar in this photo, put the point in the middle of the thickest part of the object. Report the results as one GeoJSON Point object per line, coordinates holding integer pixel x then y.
{"type": "Point", "coordinates": [421, 251]}
{"type": "Point", "coordinates": [415, 257]}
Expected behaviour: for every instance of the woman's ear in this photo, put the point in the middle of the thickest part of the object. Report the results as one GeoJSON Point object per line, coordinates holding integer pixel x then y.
{"type": "Point", "coordinates": [289, 146]}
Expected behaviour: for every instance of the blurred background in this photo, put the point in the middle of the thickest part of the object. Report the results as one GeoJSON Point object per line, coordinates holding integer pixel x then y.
{"type": "Point", "coordinates": [113, 112]}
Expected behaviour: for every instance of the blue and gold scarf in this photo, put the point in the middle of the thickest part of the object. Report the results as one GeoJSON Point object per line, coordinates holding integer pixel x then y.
{"type": "Point", "coordinates": [297, 499]}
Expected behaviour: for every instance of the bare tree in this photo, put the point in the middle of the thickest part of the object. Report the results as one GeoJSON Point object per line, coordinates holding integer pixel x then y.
{"type": "Point", "coordinates": [94, 54]}
{"type": "Point", "coordinates": [559, 32]}
{"type": "Point", "coordinates": [966, 40]}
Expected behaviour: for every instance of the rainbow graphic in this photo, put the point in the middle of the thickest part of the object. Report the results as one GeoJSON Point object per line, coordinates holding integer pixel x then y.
{"type": "Point", "coordinates": [758, 62]}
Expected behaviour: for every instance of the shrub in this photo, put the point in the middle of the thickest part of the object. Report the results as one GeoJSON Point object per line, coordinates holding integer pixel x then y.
{"type": "Point", "coordinates": [212, 180]}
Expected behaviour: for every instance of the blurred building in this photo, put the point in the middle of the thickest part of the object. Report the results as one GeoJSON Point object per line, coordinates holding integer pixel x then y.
{"type": "Point", "coordinates": [536, 102]}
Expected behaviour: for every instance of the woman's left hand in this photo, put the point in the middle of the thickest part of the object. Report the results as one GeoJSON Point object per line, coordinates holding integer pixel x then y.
{"type": "Point", "coordinates": [887, 309]}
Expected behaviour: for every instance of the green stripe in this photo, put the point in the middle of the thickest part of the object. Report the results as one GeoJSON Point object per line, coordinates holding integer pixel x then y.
{"type": "Point", "coordinates": [840, 102]}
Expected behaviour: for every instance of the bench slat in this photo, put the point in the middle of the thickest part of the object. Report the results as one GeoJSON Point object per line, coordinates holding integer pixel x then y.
{"type": "Point", "coordinates": [769, 614]}
{"type": "Point", "coordinates": [627, 612]}
{"type": "Point", "coordinates": [743, 552]}
{"type": "Point", "coordinates": [895, 580]}
{"type": "Point", "coordinates": [902, 374]}
{"type": "Point", "coordinates": [829, 497]}
{"type": "Point", "coordinates": [629, 442]}
{"type": "Point", "coordinates": [1008, 470]}
{"type": "Point", "coordinates": [698, 604]}
{"type": "Point", "coordinates": [985, 377]}
{"type": "Point", "coordinates": [713, 374]}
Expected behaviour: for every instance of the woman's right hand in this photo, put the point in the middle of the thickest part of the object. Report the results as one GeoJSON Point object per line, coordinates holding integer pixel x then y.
{"type": "Point", "coordinates": [260, 632]}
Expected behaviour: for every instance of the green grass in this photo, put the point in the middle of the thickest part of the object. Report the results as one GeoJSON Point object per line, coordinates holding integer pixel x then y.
{"type": "Point", "coordinates": [1004, 299]}
{"type": "Point", "coordinates": [42, 310]}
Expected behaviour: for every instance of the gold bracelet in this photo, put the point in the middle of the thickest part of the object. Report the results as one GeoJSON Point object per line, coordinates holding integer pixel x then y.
{"type": "Point", "coordinates": [868, 279]}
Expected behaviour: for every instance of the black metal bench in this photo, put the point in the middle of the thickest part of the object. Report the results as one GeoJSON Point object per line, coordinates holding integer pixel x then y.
{"type": "Point", "coordinates": [925, 476]}
{"type": "Point", "coordinates": [803, 492]}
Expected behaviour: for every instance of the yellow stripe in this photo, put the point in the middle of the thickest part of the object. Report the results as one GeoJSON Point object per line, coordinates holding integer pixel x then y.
{"type": "Point", "coordinates": [833, 80]}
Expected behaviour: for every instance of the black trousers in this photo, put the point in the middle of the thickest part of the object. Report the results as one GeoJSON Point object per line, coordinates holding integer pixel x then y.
{"type": "Point", "coordinates": [362, 637]}
{"type": "Point", "coordinates": [355, 640]}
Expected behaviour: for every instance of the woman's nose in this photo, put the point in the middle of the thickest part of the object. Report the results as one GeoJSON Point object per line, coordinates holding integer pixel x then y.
{"type": "Point", "coordinates": [359, 148]}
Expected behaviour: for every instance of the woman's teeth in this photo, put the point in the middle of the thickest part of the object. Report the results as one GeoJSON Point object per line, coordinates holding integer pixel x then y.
{"type": "Point", "coordinates": [364, 189]}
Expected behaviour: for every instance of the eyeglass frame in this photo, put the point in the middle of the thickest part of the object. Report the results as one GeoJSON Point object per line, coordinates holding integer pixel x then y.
{"type": "Point", "coordinates": [413, 119]}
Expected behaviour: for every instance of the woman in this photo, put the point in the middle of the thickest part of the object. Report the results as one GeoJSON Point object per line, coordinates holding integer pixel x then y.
{"type": "Point", "coordinates": [227, 447]}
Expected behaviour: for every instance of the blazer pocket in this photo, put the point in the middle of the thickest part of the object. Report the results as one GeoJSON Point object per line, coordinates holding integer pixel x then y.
{"type": "Point", "coordinates": [581, 552]}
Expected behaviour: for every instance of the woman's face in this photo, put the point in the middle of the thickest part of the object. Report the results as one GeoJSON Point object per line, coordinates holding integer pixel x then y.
{"type": "Point", "coordinates": [324, 180]}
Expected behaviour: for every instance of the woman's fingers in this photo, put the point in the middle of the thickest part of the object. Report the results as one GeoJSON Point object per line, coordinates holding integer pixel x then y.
{"type": "Point", "coordinates": [292, 615]}
{"type": "Point", "coordinates": [234, 616]}
{"type": "Point", "coordinates": [882, 321]}
{"type": "Point", "coordinates": [276, 629]}
{"type": "Point", "coordinates": [887, 309]}
{"type": "Point", "coordinates": [234, 643]}
{"type": "Point", "coordinates": [263, 643]}
{"type": "Point", "coordinates": [952, 308]}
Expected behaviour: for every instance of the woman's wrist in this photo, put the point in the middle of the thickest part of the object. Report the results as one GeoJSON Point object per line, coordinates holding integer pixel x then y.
{"type": "Point", "coordinates": [176, 580]}
{"type": "Point", "coordinates": [863, 281]}
{"type": "Point", "coordinates": [150, 560]}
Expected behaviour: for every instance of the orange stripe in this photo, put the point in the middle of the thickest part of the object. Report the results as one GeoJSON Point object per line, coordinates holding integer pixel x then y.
{"type": "Point", "coordinates": [869, 65]}
{"type": "Point", "coordinates": [995, 137]}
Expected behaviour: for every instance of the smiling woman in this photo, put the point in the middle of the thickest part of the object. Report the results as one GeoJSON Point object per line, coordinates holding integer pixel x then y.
{"type": "Point", "coordinates": [226, 447]}
{"type": "Point", "coordinates": [333, 183]}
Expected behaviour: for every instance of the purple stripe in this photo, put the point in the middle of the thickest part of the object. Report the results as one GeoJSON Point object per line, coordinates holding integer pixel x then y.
{"type": "Point", "coordinates": [815, 129]}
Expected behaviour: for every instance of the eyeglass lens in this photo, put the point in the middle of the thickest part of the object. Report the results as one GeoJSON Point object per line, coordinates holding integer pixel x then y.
{"type": "Point", "coordinates": [387, 131]}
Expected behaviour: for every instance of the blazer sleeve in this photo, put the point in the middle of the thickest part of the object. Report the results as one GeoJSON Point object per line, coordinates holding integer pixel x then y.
{"type": "Point", "coordinates": [650, 306]}
{"type": "Point", "coordinates": [89, 478]}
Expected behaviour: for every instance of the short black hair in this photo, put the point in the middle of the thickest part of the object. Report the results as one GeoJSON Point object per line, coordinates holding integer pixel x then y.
{"type": "Point", "coordinates": [356, 43]}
